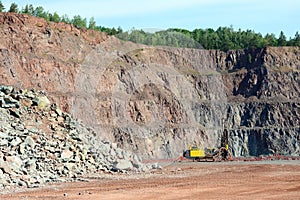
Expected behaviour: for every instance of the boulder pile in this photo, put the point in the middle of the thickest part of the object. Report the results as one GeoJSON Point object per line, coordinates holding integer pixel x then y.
{"type": "Point", "coordinates": [39, 143]}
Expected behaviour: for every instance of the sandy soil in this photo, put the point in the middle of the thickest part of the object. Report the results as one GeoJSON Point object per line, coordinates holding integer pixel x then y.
{"type": "Point", "coordinates": [185, 180]}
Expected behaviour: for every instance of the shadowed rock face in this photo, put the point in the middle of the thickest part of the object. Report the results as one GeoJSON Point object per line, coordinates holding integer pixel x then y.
{"type": "Point", "coordinates": [155, 101]}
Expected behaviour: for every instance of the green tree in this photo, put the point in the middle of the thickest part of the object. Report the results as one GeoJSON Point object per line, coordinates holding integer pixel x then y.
{"type": "Point", "coordinates": [54, 17]}
{"type": "Point", "coordinates": [270, 40]}
{"type": "Point", "coordinates": [40, 12]}
{"type": "Point", "coordinates": [113, 31]}
{"type": "Point", "coordinates": [79, 22]}
{"type": "Point", "coordinates": [282, 39]}
{"type": "Point", "coordinates": [65, 19]}
{"type": "Point", "coordinates": [13, 8]}
{"type": "Point", "coordinates": [119, 30]}
{"type": "Point", "coordinates": [92, 23]}
{"type": "Point", "coordinates": [297, 39]}
{"type": "Point", "coordinates": [1, 7]}
{"type": "Point", "coordinates": [25, 10]}
{"type": "Point", "coordinates": [29, 9]}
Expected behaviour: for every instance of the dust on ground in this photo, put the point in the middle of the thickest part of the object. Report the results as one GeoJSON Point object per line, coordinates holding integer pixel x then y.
{"type": "Point", "coordinates": [182, 180]}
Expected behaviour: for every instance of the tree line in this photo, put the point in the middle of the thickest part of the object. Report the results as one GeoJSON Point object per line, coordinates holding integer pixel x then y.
{"type": "Point", "coordinates": [76, 20]}
{"type": "Point", "coordinates": [223, 38]}
{"type": "Point", "coordinates": [160, 38]}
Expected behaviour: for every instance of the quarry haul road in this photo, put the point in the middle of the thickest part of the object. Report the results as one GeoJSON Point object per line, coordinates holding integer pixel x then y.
{"type": "Point", "coordinates": [182, 180]}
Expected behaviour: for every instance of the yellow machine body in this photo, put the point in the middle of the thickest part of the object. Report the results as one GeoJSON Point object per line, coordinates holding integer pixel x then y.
{"type": "Point", "coordinates": [197, 153]}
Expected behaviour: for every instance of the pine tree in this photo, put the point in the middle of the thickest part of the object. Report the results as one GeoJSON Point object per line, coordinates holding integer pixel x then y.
{"type": "Point", "coordinates": [119, 30]}
{"type": "Point", "coordinates": [1, 7]}
{"type": "Point", "coordinates": [25, 10]}
{"type": "Point", "coordinates": [79, 22]}
{"type": "Point", "coordinates": [39, 12]}
{"type": "Point", "coordinates": [297, 39]}
{"type": "Point", "coordinates": [92, 23]}
{"type": "Point", "coordinates": [13, 8]}
{"type": "Point", "coordinates": [31, 9]}
{"type": "Point", "coordinates": [282, 39]}
{"type": "Point", "coordinates": [54, 17]}
{"type": "Point", "coordinates": [270, 40]}
{"type": "Point", "coordinates": [65, 19]}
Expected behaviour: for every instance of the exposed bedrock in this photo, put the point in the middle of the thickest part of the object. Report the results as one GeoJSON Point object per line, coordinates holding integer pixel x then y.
{"type": "Point", "coordinates": [155, 101]}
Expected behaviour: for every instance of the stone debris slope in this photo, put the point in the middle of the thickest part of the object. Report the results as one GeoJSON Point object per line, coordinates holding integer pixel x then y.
{"type": "Point", "coordinates": [39, 143]}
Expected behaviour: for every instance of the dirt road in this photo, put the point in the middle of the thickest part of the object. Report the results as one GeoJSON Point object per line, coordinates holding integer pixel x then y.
{"type": "Point", "coordinates": [186, 180]}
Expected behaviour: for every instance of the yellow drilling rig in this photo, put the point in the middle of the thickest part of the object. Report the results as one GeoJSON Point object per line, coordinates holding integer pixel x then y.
{"type": "Point", "coordinates": [209, 154]}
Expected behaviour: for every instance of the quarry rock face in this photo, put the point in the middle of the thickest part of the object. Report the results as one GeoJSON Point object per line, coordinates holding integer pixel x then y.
{"type": "Point", "coordinates": [155, 101]}
{"type": "Point", "coordinates": [159, 100]}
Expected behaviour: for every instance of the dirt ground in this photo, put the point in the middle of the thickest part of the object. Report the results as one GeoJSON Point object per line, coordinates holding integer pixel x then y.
{"type": "Point", "coordinates": [182, 180]}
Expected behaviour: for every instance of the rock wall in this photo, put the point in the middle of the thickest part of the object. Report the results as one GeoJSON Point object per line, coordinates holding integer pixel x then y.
{"type": "Point", "coordinates": [155, 101]}
{"type": "Point", "coordinates": [38, 54]}
{"type": "Point", "coordinates": [159, 100]}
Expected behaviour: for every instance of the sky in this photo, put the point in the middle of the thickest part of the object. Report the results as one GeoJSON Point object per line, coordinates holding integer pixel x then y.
{"type": "Point", "coordinates": [264, 16]}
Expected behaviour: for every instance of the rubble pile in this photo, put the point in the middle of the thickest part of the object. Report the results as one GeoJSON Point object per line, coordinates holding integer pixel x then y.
{"type": "Point", "coordinates": [39, 143]}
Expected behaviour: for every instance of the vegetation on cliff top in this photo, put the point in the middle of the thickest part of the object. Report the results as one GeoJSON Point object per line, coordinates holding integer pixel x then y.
{"type": "Point", "coordinates": [77, 20]}
{"type": "Point", "coordinates": [224, 38]}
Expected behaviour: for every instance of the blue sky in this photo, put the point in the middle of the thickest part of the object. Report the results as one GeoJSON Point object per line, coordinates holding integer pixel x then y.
{"type": "Point", "coordinates": [264, 16]}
